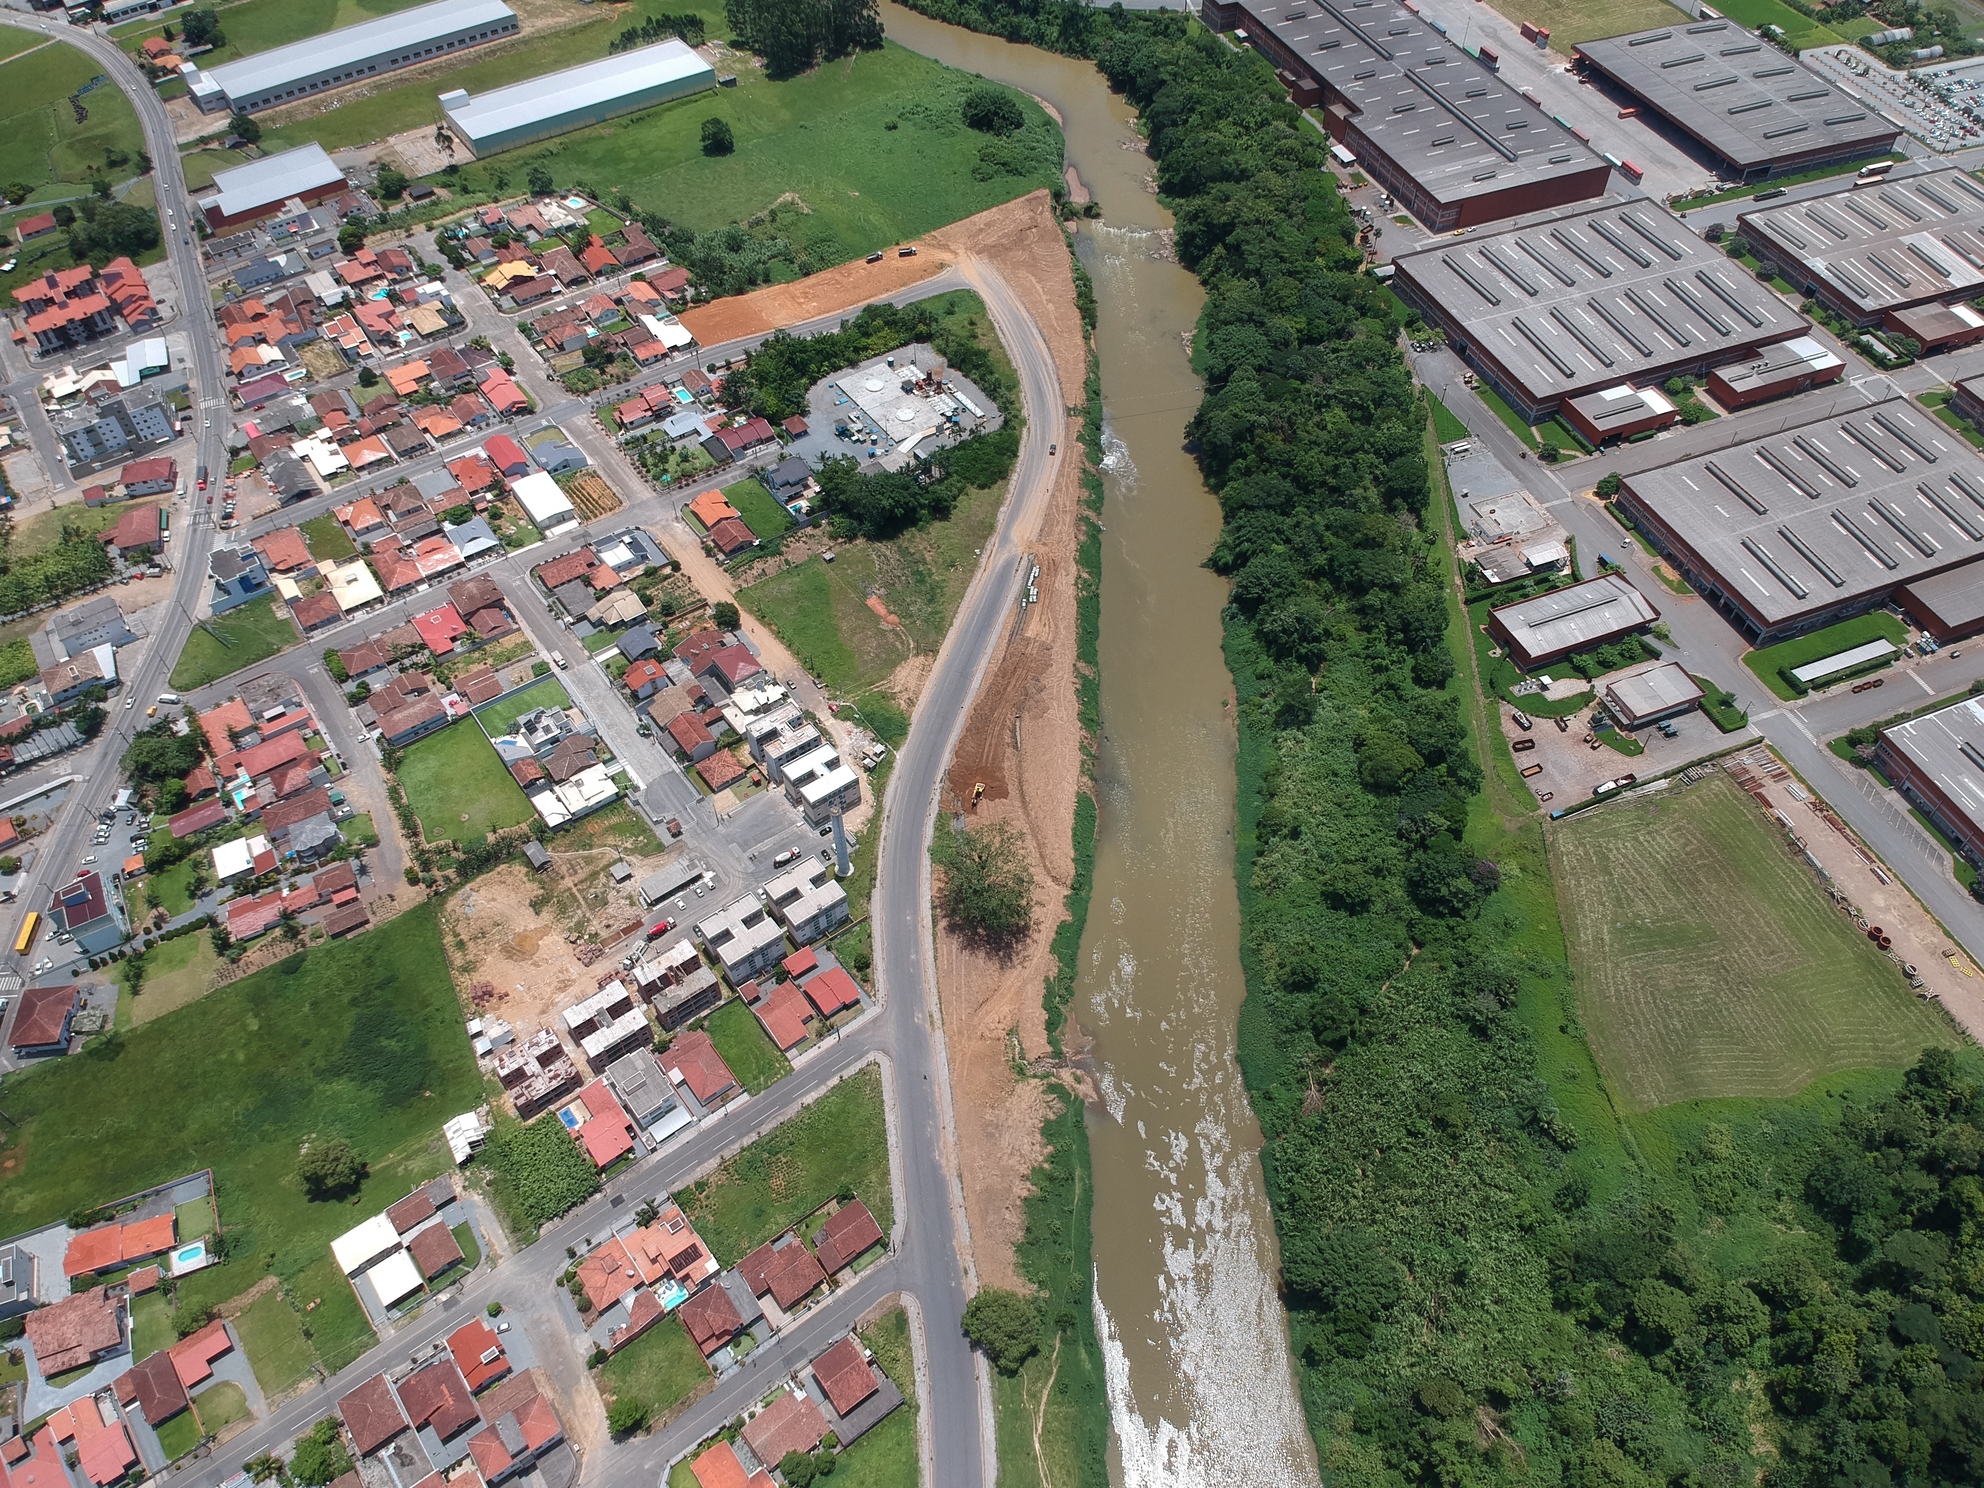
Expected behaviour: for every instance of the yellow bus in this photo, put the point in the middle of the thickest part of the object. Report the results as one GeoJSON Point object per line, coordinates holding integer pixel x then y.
{"type": "Point", "coordinates": [28, 927]}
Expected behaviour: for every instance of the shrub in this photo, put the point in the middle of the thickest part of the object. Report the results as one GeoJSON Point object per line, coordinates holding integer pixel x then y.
{"type": "Point", "coordinates": [329, 1168]}
{"type": "Point", "coordinates": [987, 893]}
{"type": "Point", "coordinates": [717, 138]}
{"type": "Point", "coordinates": [991, 109]}
{"type": "Point", "coordinates": [625, 1416]}
{"type": "Point", "coordinates": [1004, 1325]}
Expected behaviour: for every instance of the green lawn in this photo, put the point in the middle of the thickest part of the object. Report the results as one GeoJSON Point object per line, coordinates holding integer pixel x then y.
{"type": "Point", "coordinates": [760, 511]}
{"type": "Point", "coordinates": [336, 1326]}
{"type": "Point", "coordinates": [887, 1456]}
{"type": "Point", "coordinates": [42, 144]}
{"type": "Point", "coordinates": [358, 1039]}
{"type": "Point", "coordinates": [821, 611]}
{"type": "Point", "coordinates": [151, 1326]}
{"type": "Point", "coordinates": [172, 888]}
{"type": "Point", "coordinates": [327, 539]}
{"type": "Point", "coordinates": [471, 1248]}
{"type": "Point", "coordinates": [220, 1405]}
{"type": "Point", "coordinates": [1570, 21]}
{"type": "Point", "coordinates": [1771, 660]}
{"type": "Point", "coordinates": [458, 786]}
{"type": "Point", "coordinates": [179, 1436]}
{"type": "Point", "coordinates": [789, 1172]}
{"type": "Point", "coordinates": [1708, 962]}
{"type": "Point", "coordinates": [1800, 32]}
{"type": "Point", "coordinates": [193, 1220]}
{"type": "Point", "coordinates": [256, 25]}
{"type": "Point", "coordinates": [229, 642]}
{"type": "Point", "coordinates": [661, 1369]}
{"type": "Point", "coordinates": [272, 1335]}
{"type": "Point", "coordinates": [742, 1042]}
{"type": "Point", "coordinates": [203, 165]}
{"type": "Point", "coordinates": [501, 716]}
{"type": "Point", "coordinates": [1499, 406]}
{"type": "Point", "coordinates": [1446, 427]}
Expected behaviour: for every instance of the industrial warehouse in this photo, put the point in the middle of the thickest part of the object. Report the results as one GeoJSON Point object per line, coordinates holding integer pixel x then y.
{"type": "Point", "coordinates": [1870, 249]}
{"type": "Point", "coordinates": [1451, 141]}
{"type": "Point", "coordinates": [1816, 523]}
{"type": "Point", "coordinates": [250, 192]}
{"type": "Point", "coordinates": [1610, 294]}
{"type": "Point", "coordinates": [284, 73]}
{"type": "Point", "coordinates": [1577, 617]}
{"type": "Point", "coordinates": [1937, 762]}
{"type": "Point", "coordinates": [1756, 111]}
{"type": "Point", "coordinates": [588, 94]}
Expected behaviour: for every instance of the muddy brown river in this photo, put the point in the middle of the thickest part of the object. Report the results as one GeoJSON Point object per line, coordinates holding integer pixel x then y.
{"type": "Point", "coordinates": [1201, 1389]}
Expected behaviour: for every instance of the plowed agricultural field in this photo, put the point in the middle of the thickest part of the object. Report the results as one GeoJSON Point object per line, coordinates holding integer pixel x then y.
{"type": "Point", "coordinates": [1710, 963]}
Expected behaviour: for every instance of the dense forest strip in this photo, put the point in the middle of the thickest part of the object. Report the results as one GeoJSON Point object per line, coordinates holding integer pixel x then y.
{"type": "Point", "coordinates": [1492, 1274]}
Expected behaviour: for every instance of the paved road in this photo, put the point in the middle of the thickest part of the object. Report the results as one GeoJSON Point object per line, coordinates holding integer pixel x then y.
{"type": "Point", "coordinates": [192, 539]}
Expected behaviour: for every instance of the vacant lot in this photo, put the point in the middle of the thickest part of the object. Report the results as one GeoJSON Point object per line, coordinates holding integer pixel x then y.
{"type": "Point", "coordinates": [742, 1042]}
{"type": "Point", "coordinates": [789, 1172]}
{"type": "Point", "coordinates": [256, 25]}
{"type": "Point", "coordinates": [1708, 961]}
{"type": "Point", "coordinates": [661, 1369]}
{"type": "Point", "coordinates": [458, 786]}
{"type": "Point", "coordinates": [176, 973]}
{"type": "Point", "coordinates": [1570, 21]}
{"type": "Point", "coordinates": [327, 539]}
{"type": "Point", "coordinates": [1773, 660]}
{"type": "Point", "coordinates": [760, 512]}
{"type": "Point", "coordinates": [1800, 31]}
{"type": "Point", "coordinates": [272, 1335]}
{"type": "Point", "coordinates": [229, 642]}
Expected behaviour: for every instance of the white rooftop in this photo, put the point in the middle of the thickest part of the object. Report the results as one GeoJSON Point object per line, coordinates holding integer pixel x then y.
{"type": "Point", "coordinates": [587, 86]}
{"type": "Point", "coordinates": [348, 45]}
{"type": "Point", "coordinates": [543, 501]}
{"type": "Point", "coordinates": [358, 1248]}
{"type": "Point", "coordinates": [272, 180]}
{"type": "Point", "coordinates": [395, 1277]}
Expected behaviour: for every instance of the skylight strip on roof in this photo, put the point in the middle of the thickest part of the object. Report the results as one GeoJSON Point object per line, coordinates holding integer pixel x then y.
{"type": "Point", "coordinates": [1824, 569]}
{"type": "Point", "coordinates": [1838, 471]}
{"type": "Point", "coordinates": [1756, 550]}
{"type": "Point", "coordinates": [1879, 554]}
{"type": "Point", "coordinates": [1905, 437]}
{"type": "Point", "coordinates": [1956, 518]}
{"type": "Point", "coordinates": [1891, 513]}
{"type": "Point", "coordinates": [1791, 477]}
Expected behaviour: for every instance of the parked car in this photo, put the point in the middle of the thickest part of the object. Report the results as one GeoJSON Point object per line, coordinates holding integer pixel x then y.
{"type": "Point", "coordinates": [1521, 720]}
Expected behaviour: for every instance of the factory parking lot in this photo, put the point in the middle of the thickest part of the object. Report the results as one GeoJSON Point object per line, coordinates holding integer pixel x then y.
{"type": "Point", "coordinates": [1572, 769]}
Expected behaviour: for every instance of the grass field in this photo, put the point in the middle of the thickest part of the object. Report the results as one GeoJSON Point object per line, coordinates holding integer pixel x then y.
{"type": "Point", "coordinates": [176, 973]}
{"type": "Point", "coordinates": [272, 1336]}
{"type": "Point", "coordinates": [229, 642]}
{"type": "Point", "coordinates": [1708, 963]}
{"type": "Point", "coordinates": [458, 787]}
{"type": "Point", "coordinates": [793, 1169]}
{"type": "Point", "coordinates": [41, 143]}
{"type": "Point", "coordinates": [821, 137]}
{"type": "Point", "coordinates": [821, 610]}
{"type": "Point", "coordinates": [1800, 31]}
{"type": "Point", "coordinates": [887, 1456]}
{"type": "Point", "coordinates": [359, 1039]}
{"type": "Point", "coordinates": [501, 716]}
{"type": "Point", "coordinates": [220, 1405]}
{"type": "Point", "coordinates": [1569, 21]}
{"type": "Point", "coordinates": [661, 1369]}
{"type": "Point", "coordinates": [741, 1040]}
{"type": "Point", "coordinates": [151, 1326]}
{"type": "Point", "coordinates": [1772, 660]}
{"type": "Point", "coordinates": [760, 512]}
{"type": "Point", "coordinates": [179, 1436]}
{"type": "Point", "coordinates": [1446, 426]}
{"type": "Point", "coordinates": [256, 25]}
{"type": "Point", "coordinates": [327, 539]}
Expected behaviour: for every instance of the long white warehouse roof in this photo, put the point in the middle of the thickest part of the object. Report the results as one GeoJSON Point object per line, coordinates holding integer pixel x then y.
{"type": "Point", "coordinates": [273, 179]}
{"type": "Point", "coordinates": [591, 85]}
{"type": "Point", "coordinates": [249, 77]}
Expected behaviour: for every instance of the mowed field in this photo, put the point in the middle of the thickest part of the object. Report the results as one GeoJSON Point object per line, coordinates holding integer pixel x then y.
{"type": "Point", "coordinates": [256, 25]}
{"type": "Point", "coordinates": [42, 145]}
{"type": "Point", "coordinates": [1708, 961]}
{"type": "Point", "coordinates": [1571, 21]}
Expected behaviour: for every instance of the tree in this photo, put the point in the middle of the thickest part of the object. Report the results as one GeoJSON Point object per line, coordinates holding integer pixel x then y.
{"type": "Point", "coordinates": [18, 192]}
{"type": "Point", "coordinates": [717, 138]}
{"type": "Point", "coordinates": [320, 1455]}
{"type": "Point", "coordinates": [1551, 452]}
{"type": "Point", "coordinates": [538, 179]}
{"type": "Point", "coordinates": [244, 126]}
{"type": "Point", "coordinates": [1608, 485]}
{"type": "Point", "coordinates": [987, 893]}
{"type": "Point", "coordinates": [392, 183]}
{"type": "Point", "coordinates": [201, 28]}
{"type": "Point", "coordinates": [1004, 1325]}
{"type": "Point", "coordinates": [793, 35]}
{"type": "Point", "coordinates": [367, 378]}
{"type": "Point", "coordinates": [723, 614]}
{"type": "Point", "coordinates": [990, 109]}
{"type": "Point", "coordinates": [351, 237]}
{"type": "Point", "coordinates": [626, 1415]}
{"type": "Point", "coordinates": [329, 1168]}
{"type": "Point", "coordinates": [158, 755]}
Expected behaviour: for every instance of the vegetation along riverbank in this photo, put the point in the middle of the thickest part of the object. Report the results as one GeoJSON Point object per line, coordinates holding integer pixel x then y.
{"type": "Point", "coordinates": [1496, 1268]}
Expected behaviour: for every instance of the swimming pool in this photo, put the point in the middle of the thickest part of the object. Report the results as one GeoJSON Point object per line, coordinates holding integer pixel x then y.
{"type": "Point", "coordinates": [190, 1257]}
{"type": "Point", "coordinates": [570, 1116]}
{"type": "Point", "coordinates": [671, 1293]}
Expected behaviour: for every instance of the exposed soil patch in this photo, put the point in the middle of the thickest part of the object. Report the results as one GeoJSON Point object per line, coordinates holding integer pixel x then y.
{"type": "Point", "coordinates": [845, 287]}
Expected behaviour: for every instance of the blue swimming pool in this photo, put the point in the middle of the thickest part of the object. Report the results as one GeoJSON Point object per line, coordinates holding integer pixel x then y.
{"type": "Point", "coordinates": [190, 1257]}
{"type": "Point", "coordinates": [671, 1293]}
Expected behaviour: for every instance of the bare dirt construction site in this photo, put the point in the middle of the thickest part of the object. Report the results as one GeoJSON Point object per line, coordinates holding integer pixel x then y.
{"type": "Point", "coordinates": [519, 934]}
{"type": "Point", "coordinates": [848, 287]}
{"type": "Point", "coordinates": [1023, 740]}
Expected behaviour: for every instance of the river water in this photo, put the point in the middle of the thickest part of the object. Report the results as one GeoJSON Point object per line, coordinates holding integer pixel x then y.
{"type": "Point", "coordinates": [1201, 1389]}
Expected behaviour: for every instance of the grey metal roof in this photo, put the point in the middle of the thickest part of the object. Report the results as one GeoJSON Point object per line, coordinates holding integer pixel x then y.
{"type": "Point", "coordinates": [1948, 747]}
{"type": "Point", "coordinates": [274, 179]}
{"type": "Point", "coordinates": [250, 77]}
{"type": "Point", "coordinates": [1814, 517]}
{"type": "Point", "coordinates": [1743, 99]}
{"type": "Point", "coordinates": [1439, 114]}
{"type": "Point", "coordinates": [589, 86]}
{"type": "Point", "coordinates": [1599, 296]}
{"type": "Point", "coordinates": [1898, 241]}
{"type": "Point", "coordinates": [1576, 616]}
{"type": "Point", "coordinates": [1953, 599]}
{"type": "Point", "coordinates": [1784, 362]}
{"type": "Point", "coordinates": [1615, 407]}
{"type": "Point", "coordinates": [1654, 690]}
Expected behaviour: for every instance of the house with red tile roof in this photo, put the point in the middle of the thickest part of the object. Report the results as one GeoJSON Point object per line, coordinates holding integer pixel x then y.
{"type": "Point", "coordinates": [832, 992]}
{"type": "Point", "coordinates": [153, 1387]}
{"type": "Point", "coordinates": [692, 1060]}
{"type": "Point", "coordinates": [561, 571]}
{"type": "Point", "coordinates": [478, 1354]}
{"type": "Point", "coordinates": [844, 1375]}
{"type": "Point", "coordinates": [440, 628]}
{"type": "Point", "coordinates": [719, 1468]}
{"type": "Point", "coordinates": [315, 612]}
{"type": "Point", "coordinates": [438, 1399]}
{"type": "Point", "coordinates": [137, 528]}
{"type": "Point", "coordinates": [105, 1456]}
{"type": "Point", "coordinates": [783, 1013]}
{"type": "Point", "coordinates": [41, 1020]}
{"type": "Point", "coordinates": [80, 1329]}
{"type": "Point", "coordinates": [791, 1423]}
{"type": "Point", "coordinates": [518, 1413]}
{"type": "Point", "coordinates": [711, 1318]}
{"type": "Point", "coordinates": [685, 730]}
{"type": "Point", "coordinates": [197, 819]}
{"type": "Point", "coordinates": [849, 1233]}
{"type": "Point", "coordinates": [783, 1269]}
{"type": "Point", "coordinates": [607, 1134]}
{"type": "Point", "coordinates": [194, 1357]}
{"type": "Point", "coordinates": [506, 455]}
{"type": "Point", "coordinates": [503, 394]}
{"type": "Point", "coordinates": [372, 1415]}
{"type": "Point", "coordinates": [149, 477]}
{"type": "Point", "coordinates": [731, 536]}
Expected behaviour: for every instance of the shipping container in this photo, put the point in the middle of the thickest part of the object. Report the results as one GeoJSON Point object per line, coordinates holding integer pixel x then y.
{"type": "Point", "coordinates": [1489, 56]}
